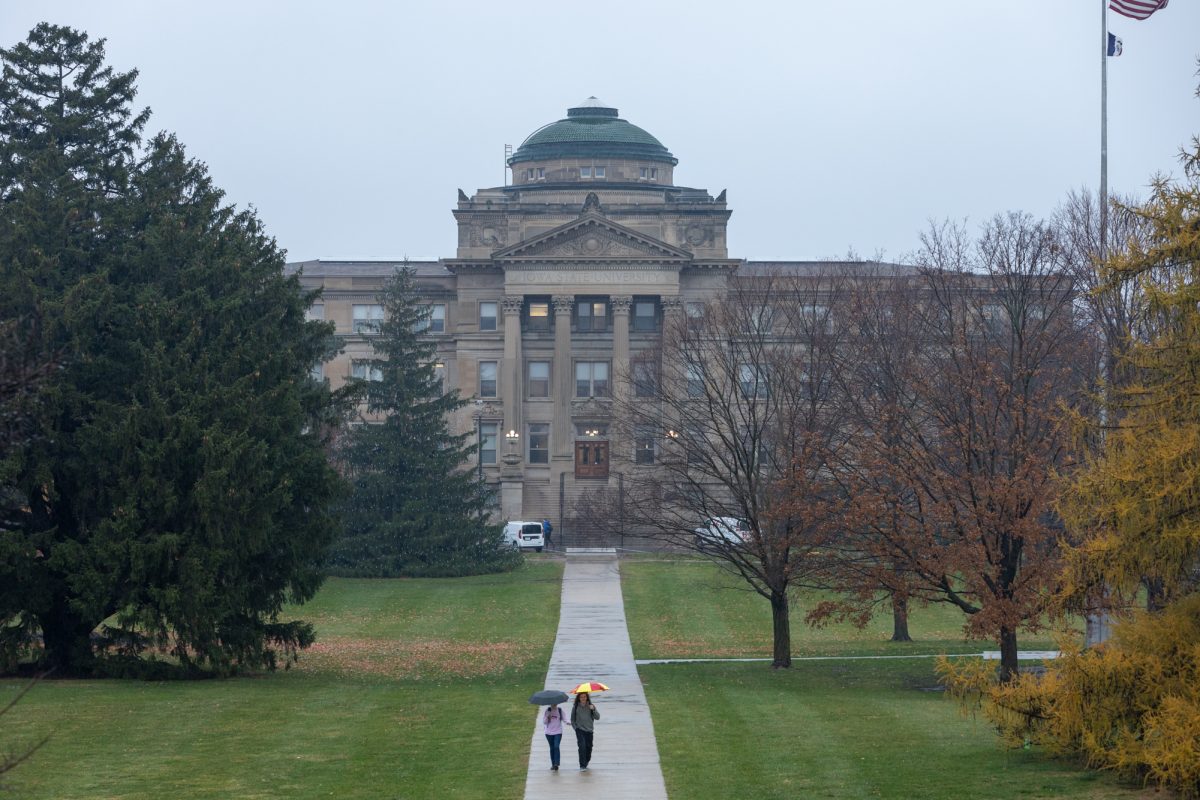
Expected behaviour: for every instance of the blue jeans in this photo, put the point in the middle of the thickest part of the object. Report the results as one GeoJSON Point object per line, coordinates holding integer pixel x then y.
{"type": "Point", "coordinates": [554, 739]}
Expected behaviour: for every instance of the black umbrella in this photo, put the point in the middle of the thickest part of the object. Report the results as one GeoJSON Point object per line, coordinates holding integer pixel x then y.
{"type": "Point", "coordinates": [548, 697]}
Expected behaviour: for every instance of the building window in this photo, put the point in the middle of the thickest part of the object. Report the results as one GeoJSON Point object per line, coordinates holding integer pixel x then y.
{"type": "Point", "coordinates": [600, 173]}
{"type": "Point", "coordinates": [439, 375]}
{"type": "Point", "coordinates": [539, 443]}
{"type": "Point", "coordinates": [539, 379]}
{"type": "Point", "coordinates": [751, 381]}
{"type": "Point", "coordinates": [541, 173]}
{"type": "Point", "coordinates": [436, 321]}
{"type": "Point", "coordinates": [645, 316]}
{"type": "Point", "coordinates": [365, 371]}
{"type": "Point", "coordinates": [695, 443]}
{"type": "Point", "coordinates": [695, 380]}
{"type": "Point", "coordinates": [591, 379]}
{"type": "Point", "coordinates": [487, 442]}
{"type": "Point", "coordinates": [818, 316]}
{"type": "Point", "coordinates": [317, 373]}
{"type": "Point", "coordinates": [591, 315]}
{"type": "Point", "coordinates": [585, 172]}
{"type": "Point", "coordinates": [367, 319]}
{"type": "Point", "coordinates": [644, 445]}
{"type": "Point", "coordinates": [539, 315]}
{"type": "Point", "coordinates": [649, 173]}
{"type": "Point", "coordinates": [761, 318]}
{"type": "Point", "coordinates": [994, 317]}
{"type": "Point", "coordinates": [487, 378]}
{"type": "Point", "coordinates": [487, 316]}
{"type": "Point", "coordinates": [645, 378]}
{"type": "Point", "coordinates": [315, 311]}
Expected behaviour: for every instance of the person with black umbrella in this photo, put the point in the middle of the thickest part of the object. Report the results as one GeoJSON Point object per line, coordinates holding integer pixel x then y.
{"type": "Point", "coordinates": [552, 719]}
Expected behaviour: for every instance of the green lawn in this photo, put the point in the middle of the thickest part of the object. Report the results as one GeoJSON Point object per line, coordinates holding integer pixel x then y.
{"type": "Point", "coordinates": [415, 689]}
{"type": "Point", "coordinates": [690, 609]}
{"type": "Point", "coordinates": [823, 729]}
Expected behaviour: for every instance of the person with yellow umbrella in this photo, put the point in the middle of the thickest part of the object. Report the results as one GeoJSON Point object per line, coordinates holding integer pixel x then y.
{"type": "Point", "coordinates": [583, 718]}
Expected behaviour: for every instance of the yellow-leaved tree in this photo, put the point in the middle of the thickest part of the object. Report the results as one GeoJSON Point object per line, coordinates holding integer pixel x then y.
{"type": "Point", "coordinates": [1132, 705]}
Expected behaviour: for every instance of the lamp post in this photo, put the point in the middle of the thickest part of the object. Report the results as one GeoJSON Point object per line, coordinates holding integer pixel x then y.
{"type": "Point", "coordinates": [512, 437]}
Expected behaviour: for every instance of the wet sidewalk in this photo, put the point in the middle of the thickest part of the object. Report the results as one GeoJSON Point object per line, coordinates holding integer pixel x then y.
{"type": "Point", "coordinates": [593, 644]}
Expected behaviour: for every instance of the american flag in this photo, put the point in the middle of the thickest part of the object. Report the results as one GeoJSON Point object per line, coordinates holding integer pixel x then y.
{"type": "Point", "coordinates": [1137, 9]}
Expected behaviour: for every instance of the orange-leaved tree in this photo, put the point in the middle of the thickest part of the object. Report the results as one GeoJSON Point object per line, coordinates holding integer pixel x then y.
{"type": "Point", "coordinates": [953, 466]}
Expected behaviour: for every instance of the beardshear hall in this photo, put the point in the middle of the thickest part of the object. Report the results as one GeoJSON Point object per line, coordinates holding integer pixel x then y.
{"type": "Point", "coordinates": [558, 282]}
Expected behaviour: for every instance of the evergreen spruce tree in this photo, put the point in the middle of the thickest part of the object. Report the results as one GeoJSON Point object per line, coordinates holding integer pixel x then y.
{"type": "Point", "coordinates": [414, 508]}
{"type": "Point", "coordinates": [175, 480]}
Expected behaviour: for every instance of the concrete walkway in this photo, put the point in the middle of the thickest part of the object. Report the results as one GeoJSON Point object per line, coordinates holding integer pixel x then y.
{"type": "Point", "coordinates": [593, 644]}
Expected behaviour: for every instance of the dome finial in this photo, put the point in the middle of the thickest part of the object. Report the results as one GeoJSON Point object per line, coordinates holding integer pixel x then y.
{"type": "Point", "coordinates": [592, 107]}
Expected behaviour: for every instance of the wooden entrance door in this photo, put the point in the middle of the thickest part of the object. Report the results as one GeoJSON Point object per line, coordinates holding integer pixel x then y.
{"type": "Point", "coordinates": [591, 459]}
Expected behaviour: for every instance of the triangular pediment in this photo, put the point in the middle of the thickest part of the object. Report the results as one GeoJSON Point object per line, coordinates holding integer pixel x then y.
{"type": "Point", "coordinates": [592, 237]}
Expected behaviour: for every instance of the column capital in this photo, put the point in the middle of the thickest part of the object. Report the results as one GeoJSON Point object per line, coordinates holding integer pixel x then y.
{"type": "Point", "coordinates": [562, 303]}
{"type": "Point", "coordinates": [621, 303]}
{"type": "Point", "coordinates": [671, 303]}
{"type": "Point", "coordinates": [512, 303]}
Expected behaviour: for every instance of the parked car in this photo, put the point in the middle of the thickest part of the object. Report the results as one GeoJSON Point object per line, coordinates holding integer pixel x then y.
{"type": "Point", "coordinates": [720, 532]}
{"type": "Point", "coordinates": [525, 534]}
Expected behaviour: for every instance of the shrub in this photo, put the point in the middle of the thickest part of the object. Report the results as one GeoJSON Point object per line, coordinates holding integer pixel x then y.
{"type": "Point", "coordinates": [1131, 705]}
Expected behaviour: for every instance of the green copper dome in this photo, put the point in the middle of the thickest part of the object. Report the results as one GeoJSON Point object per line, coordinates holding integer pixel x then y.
{"type": "Point", "coordinates": [591, 130]}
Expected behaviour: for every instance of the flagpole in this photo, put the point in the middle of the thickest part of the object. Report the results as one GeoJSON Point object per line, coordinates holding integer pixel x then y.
{"type": "Point", "coordinates": [1096, 629]}
{"type": "Point", "coordinates": [1103, 129]}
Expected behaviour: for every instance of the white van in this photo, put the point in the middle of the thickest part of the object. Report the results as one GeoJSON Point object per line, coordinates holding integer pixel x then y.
{"type": "Point", "coordinates": [525, 534]}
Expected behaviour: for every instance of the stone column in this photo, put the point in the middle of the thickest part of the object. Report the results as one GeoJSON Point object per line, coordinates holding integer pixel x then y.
{"type": "Point", "coordinates": [561, 436]}
{"type": "Point", "coordinates": [618, 443]}
{"type": "Point", "coordinates": [671, 376]}
{"type": "Point", "coordinates": [620, 361]}
{"type": "Point", "coordinates": [511, 383]}
{"type": "Point", "coordinates": [512, 486]}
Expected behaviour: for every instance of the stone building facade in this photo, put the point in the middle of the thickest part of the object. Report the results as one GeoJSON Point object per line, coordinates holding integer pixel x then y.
{"type": "Point", "coordinates": [559, 282]}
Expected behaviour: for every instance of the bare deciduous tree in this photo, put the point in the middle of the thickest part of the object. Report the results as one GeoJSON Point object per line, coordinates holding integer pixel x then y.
{"type": "Point", "coordinates": [730, 432]}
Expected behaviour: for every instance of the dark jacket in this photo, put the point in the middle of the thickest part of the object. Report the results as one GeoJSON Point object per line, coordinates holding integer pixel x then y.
{"type": "Point", "coordinates": [582, 717]}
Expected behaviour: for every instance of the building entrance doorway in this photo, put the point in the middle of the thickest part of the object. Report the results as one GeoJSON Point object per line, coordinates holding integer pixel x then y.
{"type": "Point", "coordinates": [591, 459]}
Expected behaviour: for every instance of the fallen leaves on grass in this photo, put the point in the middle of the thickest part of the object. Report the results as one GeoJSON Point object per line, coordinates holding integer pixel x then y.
{"type": "Point", "coordinates": [413, 659]}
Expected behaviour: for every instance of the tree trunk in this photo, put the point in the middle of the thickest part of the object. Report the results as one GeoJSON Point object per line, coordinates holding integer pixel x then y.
{"type": "Point", "coordinates": [1156, 594]}
{"type": "Point", "coordinates": [66, 639]}
{"type": "Point", "coordinates": [1098, 625]}
{"type": "Point", "coordinates": [1008, 655]}
{"type": "Point", "coordinates": [782, 631]}
{"type": "Point", "coordinates": [900, 618]}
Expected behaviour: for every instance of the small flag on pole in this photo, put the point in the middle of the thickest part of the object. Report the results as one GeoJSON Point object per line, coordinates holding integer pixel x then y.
{"type": "Point", "coordinates": [1114, 45]}
{"type": "Point", "coordinates": [1135, 9]}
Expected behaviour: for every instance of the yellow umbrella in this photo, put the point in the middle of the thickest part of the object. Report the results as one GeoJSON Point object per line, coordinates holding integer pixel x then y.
{"type": "Point", "coordinates": [589, 687]}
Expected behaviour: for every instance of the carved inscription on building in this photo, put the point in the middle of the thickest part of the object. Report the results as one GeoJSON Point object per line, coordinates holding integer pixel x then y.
{"type": "Point", "coordinates": [591, 277]}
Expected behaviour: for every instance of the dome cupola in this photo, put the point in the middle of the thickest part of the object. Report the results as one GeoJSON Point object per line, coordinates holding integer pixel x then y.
{"type": "Point", "coordinates": [593, 132]}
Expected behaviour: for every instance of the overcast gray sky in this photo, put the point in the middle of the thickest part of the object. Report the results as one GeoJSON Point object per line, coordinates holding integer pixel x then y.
{"type": "Point", "coordinates": [833, 125]}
